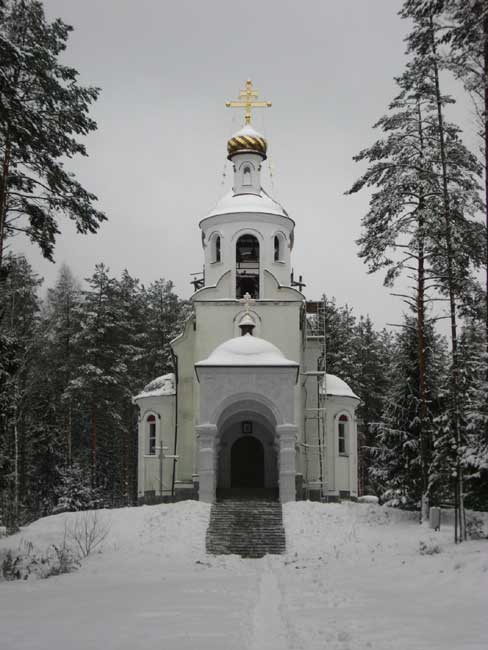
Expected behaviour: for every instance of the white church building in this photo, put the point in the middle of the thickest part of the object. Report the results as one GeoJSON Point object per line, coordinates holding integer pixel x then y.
{"type": "Point", "coordinates": [250, 406]}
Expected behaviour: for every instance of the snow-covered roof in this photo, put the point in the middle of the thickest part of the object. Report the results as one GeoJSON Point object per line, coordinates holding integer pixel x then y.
{"type": "Point", "coordinates": [261, 203]}
{"type": "Point", "coordinates": [248, 130]}
{"type": "Point", "coordinates": [164, 385]}
{"type": "Point", "coordinates": [337, 387]}
{"type": "Point", "coordinates": [246, 351]}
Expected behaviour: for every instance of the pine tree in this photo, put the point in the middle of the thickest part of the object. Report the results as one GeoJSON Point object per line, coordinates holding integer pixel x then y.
{"type": "Point", "coordinates": [131, 299]}
{"type": "Point", "coordinates": [42, 112]}
{"type": "Point", "coordinates": [98, 385]}
{"type": "Point", "coordinates": [474, 365]}
{"type": "Point", "coordinates": [395, 228]}
{"type": "Point", "coordinates": [60, 326]}
{"type": "Point", "coordinates": [19, 308]}
{"type": "Point", "coordinates": [467, 33]}
{"type": "Point", "coordinates": [340, 324]}
{"type": "Point", "coordinates": [74, 491]}
{"type": "Point", "coordinates": [164, 315]}
{"type": "Point", "coordinates": [68, 371]}
{"type": "Point", "coordinates": [48, 418]}
{"type": "Point", "coordinates": [111, 346]}
{"type": "Point", "coordinates": [396, 463]}
{"type": "Point", "coordinates": [424, 177]}
{"type": "Point", "coordinates": [458, 244]}
{"type": "Point", "coordinates": [373, 353]}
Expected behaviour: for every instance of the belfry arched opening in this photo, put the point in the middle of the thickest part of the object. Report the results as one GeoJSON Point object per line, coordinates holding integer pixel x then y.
{"type": "Point", "coordinates": [247, 266]}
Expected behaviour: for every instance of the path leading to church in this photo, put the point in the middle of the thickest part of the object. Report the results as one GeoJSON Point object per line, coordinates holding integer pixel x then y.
{"type": "Point", "coordinates": [352, 579]}
{"type": "Point", "coordinates": [269, 626]}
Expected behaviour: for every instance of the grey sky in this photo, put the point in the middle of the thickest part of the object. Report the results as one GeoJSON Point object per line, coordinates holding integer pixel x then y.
{"type": "Point", "coordinates": [166, 69]}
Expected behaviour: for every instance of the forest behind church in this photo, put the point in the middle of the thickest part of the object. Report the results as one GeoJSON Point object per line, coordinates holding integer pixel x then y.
{"type": "Point", "coordinates": [72, 358]}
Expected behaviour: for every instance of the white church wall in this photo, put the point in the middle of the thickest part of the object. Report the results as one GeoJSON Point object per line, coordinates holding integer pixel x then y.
{"type": "Point", "coordinates": [149, 473]}
{"type": "Point", "coordinates": [183, 348]}
{"type": "Point", "coordinates": [271, 384]}
{"type": "Point", "coordinates": [281, 326]}
{"type": "Point", "coordinates": [275, 291]}
{"type": "Point", "coordinates": [232, 226]}
{"type": "Point", "coordinates": [247, 167]}
{"type": "Point", "coordinates": [341, 468]}
{"type": "Point", "coordinates": [342, 474]}
{"type": "Point", "coordinates": [220, 291]}
{"type": "Point", "coordinates": [215, 323]}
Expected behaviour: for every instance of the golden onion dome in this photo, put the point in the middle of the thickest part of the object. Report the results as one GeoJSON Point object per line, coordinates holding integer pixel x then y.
{"type": "Point", "coordinates": [247, 139]}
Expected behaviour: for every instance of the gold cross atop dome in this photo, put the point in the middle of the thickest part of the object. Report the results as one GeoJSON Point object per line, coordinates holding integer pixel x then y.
{"type": "Point", "coordinates": [247, 101]}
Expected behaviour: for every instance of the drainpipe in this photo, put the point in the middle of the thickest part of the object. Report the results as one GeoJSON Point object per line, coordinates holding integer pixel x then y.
{"type": "Point", "coordinates": [175, 364]}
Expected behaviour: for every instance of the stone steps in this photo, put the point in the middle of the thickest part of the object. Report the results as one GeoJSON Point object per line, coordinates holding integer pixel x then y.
{"type": "Point", "coordinates": [250, 528]}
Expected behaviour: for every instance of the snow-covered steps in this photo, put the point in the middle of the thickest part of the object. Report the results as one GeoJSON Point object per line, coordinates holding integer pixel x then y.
{"type": "Point", "coordinates": [251, 528]}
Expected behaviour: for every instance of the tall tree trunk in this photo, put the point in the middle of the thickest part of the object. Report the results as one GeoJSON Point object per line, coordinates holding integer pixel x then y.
{"type": "Point", "coordinates": [3, 195]}
{"type": "Point", "coordinates": [16, 471]}
{"type": "Point", "coordinates": [125, 469]}
{"type": "Point", "coordinates": [450, 287]}
{"type": "Point", "coordinates": [485, 135]}
{"type": "Point", "coordinates": [70, 428]}
{"type": "Point", "coordinates": [67, 378]}
{"type": "Point", "coordinates": [67, 433]}
{"type": "Point", "coordinates": [424, 429]}
{"type": "Point", "coordinates": [425, 444]}
{"type": "Point", "coordinates": [93, 445]}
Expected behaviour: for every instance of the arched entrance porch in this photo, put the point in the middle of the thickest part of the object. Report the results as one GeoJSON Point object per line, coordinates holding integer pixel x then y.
{"type": "Point", "coordinates": [232, 395]}
{"type": "Point", "coordinates": [247, 449]}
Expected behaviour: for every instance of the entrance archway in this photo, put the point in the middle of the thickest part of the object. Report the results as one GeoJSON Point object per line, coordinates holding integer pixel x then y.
{"type": "Point", "coordinates": [247, 455]}
{"type": "Point", "coordinates": [242, 415]}
{"type": "Point", "coordinates": [247, 463]}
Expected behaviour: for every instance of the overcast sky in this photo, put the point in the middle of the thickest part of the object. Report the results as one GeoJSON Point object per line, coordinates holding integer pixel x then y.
{"type": "Point", "coordinates": [166, 68]}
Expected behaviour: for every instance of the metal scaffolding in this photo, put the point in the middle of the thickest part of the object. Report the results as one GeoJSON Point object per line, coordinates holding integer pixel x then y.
{"type": "Point", "coordinates": [314, 412]}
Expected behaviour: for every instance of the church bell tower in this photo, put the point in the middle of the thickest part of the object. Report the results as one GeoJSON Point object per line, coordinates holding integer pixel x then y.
{"type": "Point", "coordinates": [248, 234]}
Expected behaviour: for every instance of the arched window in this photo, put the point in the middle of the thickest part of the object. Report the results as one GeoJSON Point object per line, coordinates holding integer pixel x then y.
{"type": "Point", "coordinates": [342, 431]}
{"type": "Point", "coordinates": [247, 266]}
{"type": "Point", "coordinates": [217, 249]}
{"type": "Point", "coordinates": [151, 435]}
{"type": "Point", "coordinates": [277, 255]}
{"type": "Point", "coordinates": [246, 176]}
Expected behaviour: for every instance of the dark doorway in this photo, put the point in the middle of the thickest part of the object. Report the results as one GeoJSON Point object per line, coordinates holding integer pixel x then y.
{"type": "Point", "coordinates": [247, 463]}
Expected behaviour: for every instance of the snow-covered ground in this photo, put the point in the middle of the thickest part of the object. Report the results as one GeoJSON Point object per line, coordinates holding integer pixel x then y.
{"type": "Point", "coordinates": [353, 578]}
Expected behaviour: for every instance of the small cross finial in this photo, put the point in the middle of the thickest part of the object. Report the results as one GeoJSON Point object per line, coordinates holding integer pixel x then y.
{"type": "Point", "coordinates": [246, 300]}
{"type": "Point", "coordinates": [300, 283]}
{"type": "Point", "coordinates": [247, 101]}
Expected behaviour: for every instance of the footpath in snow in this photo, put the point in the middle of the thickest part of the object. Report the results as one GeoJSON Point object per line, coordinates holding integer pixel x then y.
{"type": "Point", "coordinates": [353, 578]}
